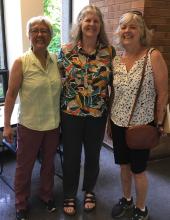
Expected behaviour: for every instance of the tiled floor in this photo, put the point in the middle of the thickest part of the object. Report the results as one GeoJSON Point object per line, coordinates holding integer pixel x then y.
{"type": "Point", "coordinates": [107, 191]}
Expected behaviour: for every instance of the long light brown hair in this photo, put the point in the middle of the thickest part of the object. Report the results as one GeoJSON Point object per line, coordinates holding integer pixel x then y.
{"type": "Point", "coordinates": [76, 32]}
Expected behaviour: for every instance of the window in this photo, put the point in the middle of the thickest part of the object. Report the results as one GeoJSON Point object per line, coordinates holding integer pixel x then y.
{"type": "Point", "coordinates": [52, 9]}
{"type": "Point", "coordinates": [3, 58]}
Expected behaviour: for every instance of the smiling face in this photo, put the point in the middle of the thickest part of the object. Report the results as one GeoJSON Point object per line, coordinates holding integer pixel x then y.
{"type": "Point", "coordinates": [130, 34]}
{"type": "Point", "coordinates": [40, 36]}
{"type": "Point", "coordinates": [90, 26]}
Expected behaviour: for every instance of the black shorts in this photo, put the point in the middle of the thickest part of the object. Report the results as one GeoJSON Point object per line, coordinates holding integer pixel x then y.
{"type": "Point", "coordinates": [124, 155]}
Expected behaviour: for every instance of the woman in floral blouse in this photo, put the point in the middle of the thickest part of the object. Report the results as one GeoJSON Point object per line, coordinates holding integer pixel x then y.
{"type": "Point", "coordinates": [86, 66]}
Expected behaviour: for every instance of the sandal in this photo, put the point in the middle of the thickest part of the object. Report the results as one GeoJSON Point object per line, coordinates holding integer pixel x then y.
{"type": "Point", "coordinates": [90, 198]}
{"type": "Point", "coordinates": [69, 204]}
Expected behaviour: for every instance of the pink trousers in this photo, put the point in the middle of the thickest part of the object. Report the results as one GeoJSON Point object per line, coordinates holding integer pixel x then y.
{"type": "Point", "coordinates": [29, 144]}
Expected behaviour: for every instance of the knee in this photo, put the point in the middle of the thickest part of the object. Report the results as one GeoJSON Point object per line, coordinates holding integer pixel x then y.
{"type": "Point", "coordinates": [125, 168]}
{"type": "Point", "coordinates": [139, 176]}
{"type": "Point", "coordinates": [138, 169]}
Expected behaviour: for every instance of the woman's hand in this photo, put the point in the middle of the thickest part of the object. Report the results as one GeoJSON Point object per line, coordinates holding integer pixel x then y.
{"type": "Point", "coordinates": [8, 134]}
{"type": "Point", "coordinates": [161, 130]}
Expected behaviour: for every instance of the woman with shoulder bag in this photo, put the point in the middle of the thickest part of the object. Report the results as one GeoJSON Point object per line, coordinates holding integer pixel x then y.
{"type": "Point", "coordinates": [134, 37]}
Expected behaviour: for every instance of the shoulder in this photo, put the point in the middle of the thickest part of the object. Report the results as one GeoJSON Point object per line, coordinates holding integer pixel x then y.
{"type": "Point", "coordinates": [158, 63]}
{"type": "Point", "coordinates": [66, 51]}
{"type": "Point", "coordinates": [27, 56]}
{"type": "Point", "coordinates": [67, 47]}
{"type": "Point", "coordinates": [157, 60]}
{"type": "Point", "coordinates": [16, 70]}
{"type": "Point", "coordinates": [117, 58]}
{"type": "Point", "coordinates": [107, 50]}
{"type": "Point", "coordinates": [155, 54]}
{"type": "Point", "coordinates": [17, 63]}
{"type": "Point", "coordinates": [53, 56]}
{"type": "Point", "coordinates": [27, 59]}
{"type": "Point", "coordinates": [28, 53]}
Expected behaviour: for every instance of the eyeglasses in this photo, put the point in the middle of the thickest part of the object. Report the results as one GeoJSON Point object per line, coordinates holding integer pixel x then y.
{"type": "Point", "coordinates": [136, 12]}
{"type": "Point", "coordinates": [37, 31]}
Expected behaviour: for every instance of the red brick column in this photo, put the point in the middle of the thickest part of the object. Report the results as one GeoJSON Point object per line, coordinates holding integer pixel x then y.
{"type": "Point", "coordinates": [157, 16]}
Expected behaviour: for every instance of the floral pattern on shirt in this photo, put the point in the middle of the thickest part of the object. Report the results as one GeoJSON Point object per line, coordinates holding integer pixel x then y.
{"type": "Point", "coordinates": [126, 85]}
{"type": "Point", "coordinates": [85, 79]}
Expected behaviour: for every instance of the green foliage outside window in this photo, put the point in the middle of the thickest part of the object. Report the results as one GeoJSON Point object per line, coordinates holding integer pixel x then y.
{"type": "Point", "coordinates": [52, 9]}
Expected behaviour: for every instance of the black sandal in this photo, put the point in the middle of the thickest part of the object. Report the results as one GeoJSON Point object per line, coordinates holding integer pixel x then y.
{"type": "Point", "coordinates": [89, 198]}
{"type": "Point", "coordinates": [69, 203]}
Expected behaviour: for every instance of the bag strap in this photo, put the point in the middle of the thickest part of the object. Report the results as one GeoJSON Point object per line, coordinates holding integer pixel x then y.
{"type": "Point", "coordinates": [140, 86]}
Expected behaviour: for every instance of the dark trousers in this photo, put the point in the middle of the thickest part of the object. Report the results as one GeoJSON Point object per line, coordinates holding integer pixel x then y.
{"type": "Point", "coordinates": [29, 144]}
{"type": "Point", "coordinates": [76, 131]}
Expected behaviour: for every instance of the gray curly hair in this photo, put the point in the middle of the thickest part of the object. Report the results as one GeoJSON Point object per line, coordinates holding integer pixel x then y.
{"type": "Point", "coordinates": [145, 33]}
{"type": "Point", "coordinates": [39, 19]}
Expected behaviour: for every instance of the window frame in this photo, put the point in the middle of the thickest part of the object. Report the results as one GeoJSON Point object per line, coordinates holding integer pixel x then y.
{"type": "Point", "coordinates": [4, 71]}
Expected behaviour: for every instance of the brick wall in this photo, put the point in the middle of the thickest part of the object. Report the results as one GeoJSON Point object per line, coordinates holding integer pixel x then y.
{"type": "Point", "coordinates": [156, 14]}
{"type": "Point", "coordinates": [113, 9]}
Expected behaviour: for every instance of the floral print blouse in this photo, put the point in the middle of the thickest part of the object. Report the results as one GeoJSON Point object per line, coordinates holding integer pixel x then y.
{"type": "Point", "coordinates": [126, 85]}
{"type": "Point", "coordinates": [85, 79]}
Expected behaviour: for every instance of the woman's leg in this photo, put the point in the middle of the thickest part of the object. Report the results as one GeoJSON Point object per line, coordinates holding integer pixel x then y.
{"type": "Point", "coordinates": [72, 132]}
{"type": "Point", "coordinates": [93, 139]}
{"type": "Point", "coordinates": [48, 151]}
{"type": "Point", "coordinates": [72, 136]}
{"type": "Point", "coordinates": [28, 143]}
{"type": "Point", "coordinates": [139, 160]}
{"type": "Point", "coordinates": [122, 157]}
{"type": "Point", "coordinates": [141, 187]}
{"type": "Point", "coordinates": [126, 180]}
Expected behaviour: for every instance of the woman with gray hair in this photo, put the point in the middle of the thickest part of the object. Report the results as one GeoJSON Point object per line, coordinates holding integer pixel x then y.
{"type": "Point", "coordinates": [86, 66]}
{"type": "Point", "coordinates": [134, 39]}
{"type": "Point", "coordinates": [36, 78]}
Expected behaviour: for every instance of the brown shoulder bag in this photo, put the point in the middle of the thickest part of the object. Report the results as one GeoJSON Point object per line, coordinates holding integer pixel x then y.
{"type": "Point", "coordinates": [141, 136]}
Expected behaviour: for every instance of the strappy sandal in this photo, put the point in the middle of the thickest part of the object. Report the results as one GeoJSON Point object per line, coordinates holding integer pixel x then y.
{"type": "Point", "coordinates": [69, 204]}
{"type": "Point", "coordinates": [91, 199]}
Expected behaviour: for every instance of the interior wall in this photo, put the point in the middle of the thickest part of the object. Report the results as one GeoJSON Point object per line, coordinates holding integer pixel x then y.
{"type": "Point", "coordinates": [112, 10]}
{"type": "Point", "coordinates": [29, 9]}
{"type": "Point", "coordinates": [17, 13]}
{"type": "Point", "coordinates": [157, 16]}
